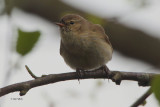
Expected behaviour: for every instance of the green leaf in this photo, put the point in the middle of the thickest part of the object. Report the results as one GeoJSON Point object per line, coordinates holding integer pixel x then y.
{"type": "Point", "coordinates": [26, 41]}
{"type": "Point", "coordinates": [94, 19]}
{"type": "Point", "coordinates": [156, 87]}
{"type": "Point", "coordinates": [144, 103]}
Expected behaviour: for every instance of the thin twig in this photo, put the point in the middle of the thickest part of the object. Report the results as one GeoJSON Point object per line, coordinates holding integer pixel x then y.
{"type": "Point", "coordinates": [142, 98]}
{"type": "Point", "coordinates": [30, 72]}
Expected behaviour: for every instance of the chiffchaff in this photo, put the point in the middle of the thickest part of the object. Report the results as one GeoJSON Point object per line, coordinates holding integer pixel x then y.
{"type": "Point", "coordinates": [84, 45]}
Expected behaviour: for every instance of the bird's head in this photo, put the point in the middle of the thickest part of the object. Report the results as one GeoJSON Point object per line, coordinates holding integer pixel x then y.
{"type": "Point", "coordinates": [71, 23]}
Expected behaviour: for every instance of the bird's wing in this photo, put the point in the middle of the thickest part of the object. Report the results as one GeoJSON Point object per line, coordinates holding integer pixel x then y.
{"type": "Point", "coordinates": [61, 48]}
{"type": "Point", "coordinates": [98, 28]}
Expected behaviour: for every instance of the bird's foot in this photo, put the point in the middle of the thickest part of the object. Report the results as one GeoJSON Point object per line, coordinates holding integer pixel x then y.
{"type": "Point", "coordinates": [79, 73]}
{"type": "Point", "coordinates": [105, 69]}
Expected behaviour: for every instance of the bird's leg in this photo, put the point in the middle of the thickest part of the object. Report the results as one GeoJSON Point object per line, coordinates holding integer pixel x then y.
{"type": "Point", "coordinates": [78, 71]}
{"type": "Point", "coordinates": [105, 69]}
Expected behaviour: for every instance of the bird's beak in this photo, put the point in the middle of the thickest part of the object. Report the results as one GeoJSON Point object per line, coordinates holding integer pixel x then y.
{"type": "Point", "coordinates": [60, 24]}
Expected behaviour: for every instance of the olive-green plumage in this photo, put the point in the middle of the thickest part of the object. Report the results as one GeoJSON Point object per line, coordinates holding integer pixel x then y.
{"type": "Point", "coordinates": [84, 45]}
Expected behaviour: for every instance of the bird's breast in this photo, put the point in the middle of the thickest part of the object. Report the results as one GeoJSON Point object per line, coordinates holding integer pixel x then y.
{"type": "Point", "coordinates": [87, 53]}
{"type": "Point", "coordinates": [75, 44]}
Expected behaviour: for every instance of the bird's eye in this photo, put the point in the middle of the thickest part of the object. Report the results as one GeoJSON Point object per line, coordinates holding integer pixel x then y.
{"type": "Point", "coordinates": [62, 21]}
{"type": "Point", "coordinates": [71, 22]}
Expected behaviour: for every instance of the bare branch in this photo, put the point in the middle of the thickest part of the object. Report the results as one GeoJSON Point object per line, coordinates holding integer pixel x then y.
{"type": "Point", "coordinates": [142, 98]}
{"type": "Point", "coordinates": [143, 79]}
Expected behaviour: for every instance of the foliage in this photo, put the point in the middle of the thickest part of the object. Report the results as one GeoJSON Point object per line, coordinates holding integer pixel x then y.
{"type": "Point", "coordinates": [156, 87]}
{"type": "Point", "coordinates": [26, 41]}
{"type": "Point", "coordinates": [94, 19]}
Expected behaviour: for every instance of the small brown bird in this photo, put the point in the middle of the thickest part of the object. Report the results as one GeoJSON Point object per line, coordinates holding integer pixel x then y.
{"type": "Point", "coordinates": [84, 45]}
